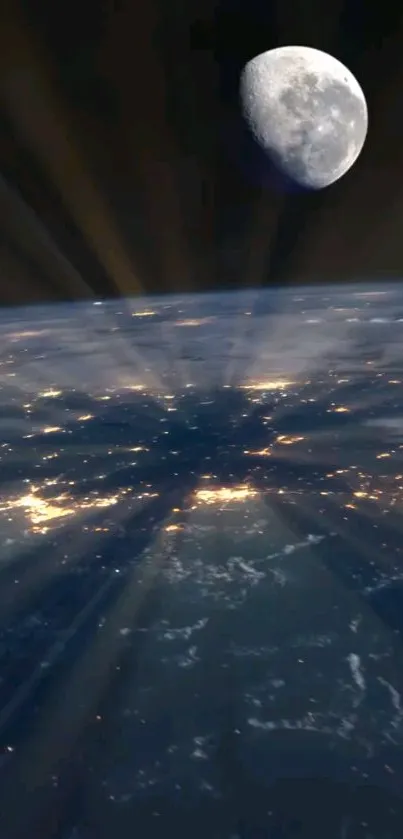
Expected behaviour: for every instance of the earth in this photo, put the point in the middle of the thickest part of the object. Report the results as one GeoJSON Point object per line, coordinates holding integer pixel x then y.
{"type": "Point", "coordinates": [201, 599]}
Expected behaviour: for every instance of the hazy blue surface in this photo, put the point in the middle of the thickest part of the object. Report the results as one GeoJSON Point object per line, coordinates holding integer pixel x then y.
{"type": "Point", "coordinates": [175, 661]}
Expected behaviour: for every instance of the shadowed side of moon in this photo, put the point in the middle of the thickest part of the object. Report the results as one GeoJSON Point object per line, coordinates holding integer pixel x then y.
{"type": "Point", "coordinates": [253, 162]}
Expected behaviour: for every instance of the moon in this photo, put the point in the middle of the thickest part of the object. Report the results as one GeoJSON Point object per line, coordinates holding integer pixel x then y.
{"type": "Point", "coordinates": [307, 111]}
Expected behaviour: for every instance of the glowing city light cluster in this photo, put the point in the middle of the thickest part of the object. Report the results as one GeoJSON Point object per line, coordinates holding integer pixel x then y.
{"type": "Point", "coordinates": [189, 322]}
{"type": "Point", "coordinates": [40, 510]}
{"type": "Point", "coordinates": [281, 440]}
{"type": "Point", "coordinates": [268, 385]}
{"type": "Point", "coordinates": [224, 495]}
{"type": "Point", "coordinates": [272, 390]}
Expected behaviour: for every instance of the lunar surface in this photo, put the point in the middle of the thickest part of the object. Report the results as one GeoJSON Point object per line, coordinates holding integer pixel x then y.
{"type": "Point", "coordinates": [307, 111]}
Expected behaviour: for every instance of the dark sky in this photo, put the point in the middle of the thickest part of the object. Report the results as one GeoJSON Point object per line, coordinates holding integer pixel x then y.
{"type": "Point", "coordinates": [126, 167]}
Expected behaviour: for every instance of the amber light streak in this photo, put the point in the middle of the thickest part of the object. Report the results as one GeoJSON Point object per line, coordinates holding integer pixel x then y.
{"type": "Point", "coordinates": [41, 120]}
{"type": "Point", "coordinates": [149, 147]}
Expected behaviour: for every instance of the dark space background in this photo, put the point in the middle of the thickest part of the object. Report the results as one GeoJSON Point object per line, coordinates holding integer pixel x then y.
{"type": "Point", "coordinates": [126, 168]}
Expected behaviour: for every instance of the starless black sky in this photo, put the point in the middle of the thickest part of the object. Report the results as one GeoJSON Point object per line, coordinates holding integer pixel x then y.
{"type": "Point", "coordinates": [126, 167]}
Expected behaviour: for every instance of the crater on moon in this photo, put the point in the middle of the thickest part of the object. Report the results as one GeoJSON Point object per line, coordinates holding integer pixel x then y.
{"type": "Point", "coordinates": [307, 111]}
